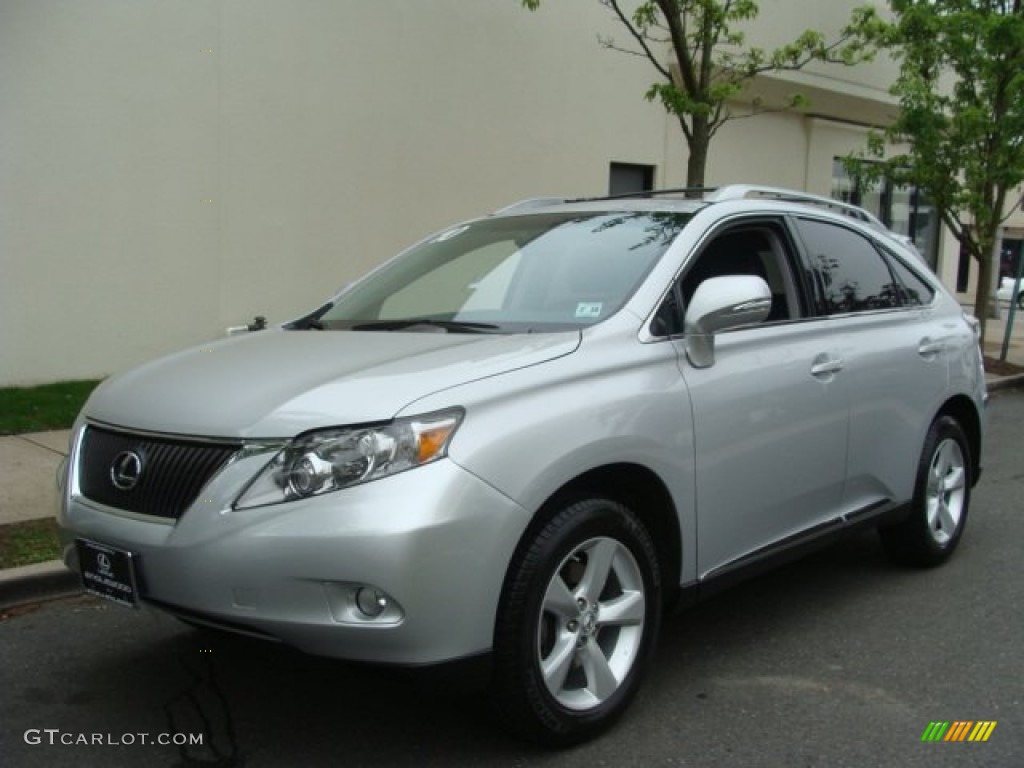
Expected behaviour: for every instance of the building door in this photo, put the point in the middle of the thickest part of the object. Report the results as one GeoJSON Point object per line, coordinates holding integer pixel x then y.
{"type": "Point", "coordinates": [629, 178]}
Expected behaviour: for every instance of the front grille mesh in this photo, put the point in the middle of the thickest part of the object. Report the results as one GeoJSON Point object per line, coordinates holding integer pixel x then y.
{"type": "Point", "coordinates": [173, 471]}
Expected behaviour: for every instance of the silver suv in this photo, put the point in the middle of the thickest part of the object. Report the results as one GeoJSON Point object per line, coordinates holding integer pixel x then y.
{"type": "Point", "coordinates": [530, 435]}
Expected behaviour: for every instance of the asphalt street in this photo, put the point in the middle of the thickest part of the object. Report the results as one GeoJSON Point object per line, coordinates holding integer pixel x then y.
{"type": "Point", "coordinates": [838, 660]}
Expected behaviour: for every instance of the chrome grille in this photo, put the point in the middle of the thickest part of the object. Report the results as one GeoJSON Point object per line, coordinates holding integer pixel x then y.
{"type": "Point", "coordinates": [170, 475]}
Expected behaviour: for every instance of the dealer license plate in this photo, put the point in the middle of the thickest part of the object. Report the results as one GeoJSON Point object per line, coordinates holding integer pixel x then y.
{"type": "Point", "coordinates": [108, 572]}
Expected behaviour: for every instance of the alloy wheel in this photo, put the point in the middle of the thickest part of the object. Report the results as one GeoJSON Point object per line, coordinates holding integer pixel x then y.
{"type": "Point", "coordinates": [944, 496]}
{"type": "Point", "coordinates": [591, 623]}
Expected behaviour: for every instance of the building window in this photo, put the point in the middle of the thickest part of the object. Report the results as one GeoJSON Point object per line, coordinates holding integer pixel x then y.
{"type": "Point", "coordinates": [905, 210]}
{"type": "Point", "coordinates": [1009, 259]}
{"type": "Point", "coordinates": [627, 178]}
{"type": "Point", "coordinates": [963, 271]}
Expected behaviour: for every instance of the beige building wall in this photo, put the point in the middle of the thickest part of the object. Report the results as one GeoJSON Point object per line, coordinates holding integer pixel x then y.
{"type": "Point", "coordinates": [171, 168]}
{"type": "Point", "coordinates": [108, 141]}
{"type": "Point", "coordinates": [168, 169]}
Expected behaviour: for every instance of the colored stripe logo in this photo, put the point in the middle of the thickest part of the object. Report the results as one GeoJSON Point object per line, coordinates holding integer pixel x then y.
{"type": "Point", "coordinates": [959, 730]}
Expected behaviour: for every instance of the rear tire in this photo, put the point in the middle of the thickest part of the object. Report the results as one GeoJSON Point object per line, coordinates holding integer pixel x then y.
{"type": "Point", "coordinates": [942, 494]}
{"type": "Point", "coordinates": [577, 623]}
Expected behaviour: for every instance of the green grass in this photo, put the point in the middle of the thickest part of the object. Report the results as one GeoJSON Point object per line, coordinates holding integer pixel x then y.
{"type": "Point", "coordinates": [33, 541]}
{"type": "Point", "coordinates": [36, 409]}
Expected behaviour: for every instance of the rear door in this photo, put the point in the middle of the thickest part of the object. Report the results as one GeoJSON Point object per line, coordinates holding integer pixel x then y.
{"type": "Point", "coordinates": [895, 354]}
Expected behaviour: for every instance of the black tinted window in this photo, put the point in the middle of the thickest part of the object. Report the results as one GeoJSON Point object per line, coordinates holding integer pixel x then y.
{"type": "Point", "coordinates": [854, 276]}
{"type": "Point", "coordinates": [913, 290]}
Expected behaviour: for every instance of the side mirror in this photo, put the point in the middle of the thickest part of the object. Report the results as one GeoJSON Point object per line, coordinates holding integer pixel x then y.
{"type": "Point", "coordinates": [721, 304]}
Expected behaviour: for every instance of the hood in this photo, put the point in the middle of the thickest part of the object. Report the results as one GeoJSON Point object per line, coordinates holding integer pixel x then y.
{"type": "Point", "coordinates": [276, 383]}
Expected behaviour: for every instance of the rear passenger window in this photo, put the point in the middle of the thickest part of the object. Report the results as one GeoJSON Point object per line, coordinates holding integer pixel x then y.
{"type": "Point", "coordinates": [914, 291]}
{"type": "Point", "coordinates": [853, 275]}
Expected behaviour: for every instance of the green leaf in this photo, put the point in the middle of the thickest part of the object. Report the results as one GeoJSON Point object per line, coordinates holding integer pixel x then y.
{"type": "Point", "coordinates": [710, 65]}
{"type": "Point", "coordinates": [961, 95]}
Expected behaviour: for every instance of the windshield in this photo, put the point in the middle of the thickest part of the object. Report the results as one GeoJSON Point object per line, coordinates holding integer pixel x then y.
{"type": "Point", "coordinates": [516, 274]}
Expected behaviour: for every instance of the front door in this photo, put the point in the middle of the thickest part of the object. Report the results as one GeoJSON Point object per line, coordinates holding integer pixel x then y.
{"type": "Point", "coordinates": [770, 416]}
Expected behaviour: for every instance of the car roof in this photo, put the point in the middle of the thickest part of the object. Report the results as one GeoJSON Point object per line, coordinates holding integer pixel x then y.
{"type": "Point", "coordinates": [599, 204]}
{"type": "Point", "coordinates": [693, 199]}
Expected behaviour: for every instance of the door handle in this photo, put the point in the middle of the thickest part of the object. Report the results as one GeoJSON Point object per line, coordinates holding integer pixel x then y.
{"type": "Point", "coordinates": [929, 347]}
{"type": "Point", "coordinates": [824, 366]}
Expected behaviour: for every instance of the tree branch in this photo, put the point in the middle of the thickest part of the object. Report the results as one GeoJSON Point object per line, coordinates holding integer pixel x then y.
{"type": "Point", "coordinates": [608, 44]}
{"type": "Point", "coordinates": [959, 230]}
{"type": "Point", "coordinates": [1013, 208]}
{"type": "Point", "coordinates": [709, 36]}
{"type": "Point", "coordinates": [679, 45]}
{"type": "Point", "coordinates": [614, 5]}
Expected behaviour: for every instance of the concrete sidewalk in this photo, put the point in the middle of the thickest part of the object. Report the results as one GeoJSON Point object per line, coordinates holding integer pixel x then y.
{"type": "Point", "coordinates": [28, 472]}
{"type": "Point", "coordinates": [28, 491]}
{"type": "Point", "coordinates": [995, 332]}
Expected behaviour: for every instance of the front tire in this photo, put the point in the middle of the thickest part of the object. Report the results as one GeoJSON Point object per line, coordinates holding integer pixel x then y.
{"type": "Point", "coordinates": [942, 495]}
{"type": "Point", "coordinates": [577, 623]}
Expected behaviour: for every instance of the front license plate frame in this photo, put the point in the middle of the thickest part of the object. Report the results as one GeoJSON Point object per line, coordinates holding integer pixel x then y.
{"type": "Point", "coordinates": [108, 572]}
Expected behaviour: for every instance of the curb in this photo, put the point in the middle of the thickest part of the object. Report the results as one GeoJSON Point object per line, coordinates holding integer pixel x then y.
{"type": "Point", "coordinates": [37, 582]}
{"type": "Point", "coordinates": [1005, 382]}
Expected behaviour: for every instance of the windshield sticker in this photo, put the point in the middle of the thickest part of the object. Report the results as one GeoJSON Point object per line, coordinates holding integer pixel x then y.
{"type": "Point", "coordinates": [588, 309]}
{"type": "Point", "coordinates": [455, 232]}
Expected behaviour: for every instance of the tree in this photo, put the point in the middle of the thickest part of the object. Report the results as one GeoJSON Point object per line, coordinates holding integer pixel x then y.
{"type": "Point", "coordinates": [703, 66]}
{"type": "Point", "coordinates": [961, 93]}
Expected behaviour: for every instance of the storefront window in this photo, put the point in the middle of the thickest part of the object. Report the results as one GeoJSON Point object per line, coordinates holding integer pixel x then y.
{"type": "Point", "coordinates": [905, 210]}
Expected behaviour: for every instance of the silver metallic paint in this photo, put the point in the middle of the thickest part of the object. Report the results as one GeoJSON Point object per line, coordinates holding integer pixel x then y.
{"type": "Point", "coordinates": [755, 448]}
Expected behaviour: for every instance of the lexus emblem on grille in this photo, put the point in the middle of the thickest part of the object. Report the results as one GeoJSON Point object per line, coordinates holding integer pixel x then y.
{"type": "Point", "coordinates": [103, 561]}
{"type": "Point", "coordinates": [125, 471]}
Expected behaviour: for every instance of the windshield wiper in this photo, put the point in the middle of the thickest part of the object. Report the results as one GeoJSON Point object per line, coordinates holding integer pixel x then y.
{"type": "Point", "coordinates": [311, 321]}
{"type": "Point", "coordinates": [451, 326]}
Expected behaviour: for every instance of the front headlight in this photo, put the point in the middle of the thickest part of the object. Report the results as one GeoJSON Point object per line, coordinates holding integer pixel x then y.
{"type": "Point", "coordinates": [331, 459]}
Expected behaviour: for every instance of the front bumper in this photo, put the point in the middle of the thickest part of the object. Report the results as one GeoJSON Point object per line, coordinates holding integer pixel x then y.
{"type": "Point", "coordinates": [437, 540]}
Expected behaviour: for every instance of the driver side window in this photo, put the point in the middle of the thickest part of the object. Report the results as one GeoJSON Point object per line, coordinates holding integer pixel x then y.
{"type": "Point", "coordinates": [750, 249]}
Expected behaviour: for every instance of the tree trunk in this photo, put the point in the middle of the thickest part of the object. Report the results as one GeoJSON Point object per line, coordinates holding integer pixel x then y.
{"type": "Point", "coordinates": [984, 291]}
{"type": "Point", "coordinates": [700, 140]}
{"type": "Point", "coordinates": [993, 283]}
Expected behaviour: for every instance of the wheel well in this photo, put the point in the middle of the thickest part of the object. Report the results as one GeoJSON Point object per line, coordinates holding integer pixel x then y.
{"type": "Point", "coordinates": [645, 494]}
{"type": "Point", "coordinates": [962, 409]}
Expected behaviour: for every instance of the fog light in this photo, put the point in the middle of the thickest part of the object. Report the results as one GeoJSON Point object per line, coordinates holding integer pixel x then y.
{"type": "Point", "coordinates": [371, 602]}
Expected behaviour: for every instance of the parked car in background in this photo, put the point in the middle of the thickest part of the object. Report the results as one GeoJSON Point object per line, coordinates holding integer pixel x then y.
{"type": "Point", "coordinates": [532, 434]}
{"type": "Point", "coordinates": [1006, 288]}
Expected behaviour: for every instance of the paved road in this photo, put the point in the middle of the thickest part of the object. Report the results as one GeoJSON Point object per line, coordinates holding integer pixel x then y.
{"type": "Point", "coordinates": [839, 660]}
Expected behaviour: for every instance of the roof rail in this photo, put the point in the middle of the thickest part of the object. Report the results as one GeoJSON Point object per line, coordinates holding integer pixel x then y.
{"type": "Point", "coordinates": [692, 192]}
{"type": "Point", "coordinates": [540, 202]}
{"type": "Point", "coordinates": [747, 191]}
